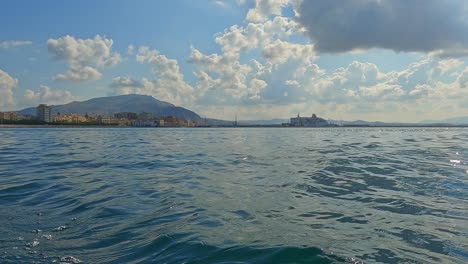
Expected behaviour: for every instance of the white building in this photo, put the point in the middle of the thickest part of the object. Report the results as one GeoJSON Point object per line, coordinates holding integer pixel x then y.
{"type": "Point", "coordinates": [313, 121]}
{"type": "Point", "coordinates": [143, 123]}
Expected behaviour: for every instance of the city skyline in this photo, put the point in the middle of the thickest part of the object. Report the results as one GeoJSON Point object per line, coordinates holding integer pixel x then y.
{"type": "Point", "coordinates": [260, 59]}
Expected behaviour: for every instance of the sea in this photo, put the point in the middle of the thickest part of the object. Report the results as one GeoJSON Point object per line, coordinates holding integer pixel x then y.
{"type": "Point", "coordinates": [234, 195]}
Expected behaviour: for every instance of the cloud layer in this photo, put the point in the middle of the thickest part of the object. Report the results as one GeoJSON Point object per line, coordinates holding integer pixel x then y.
{"type": "Point", "coordinates": [46, 95]}
{"type": "Point", "coordinates": [439, 26]}
{"type": "Point", "coordinates": [84, 57]}
{"type": "Point", "coordinates": [13, 43]}
{"type": "Point", "coordinates": [167, 82]}
{"type": "Point", "coordinates": [265, 8]}
{"type": "Point", "coordinates": [7, 84]}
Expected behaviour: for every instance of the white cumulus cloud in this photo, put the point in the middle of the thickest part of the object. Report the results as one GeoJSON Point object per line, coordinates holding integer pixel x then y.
{"type": "Point", "coordinates": [7, 84]}
{"type": "Point", "coordinates": [84, 56]}
{"type": "Point", "coordinates": [167, 82]}
{"type": "Point", "coordinates": [49, 96]}
{"type": "Point", "coordinates": [265, 8]}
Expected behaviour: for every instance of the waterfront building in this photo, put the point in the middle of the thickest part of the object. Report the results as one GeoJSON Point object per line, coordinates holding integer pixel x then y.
{"type": "Point", "coordinates": [70, 118]}
{"type": "Point", "coordinates": [92, 118]}
{"type": "Point", "coordinates": [107, 120]}
{"type": "Point", "coordinates": [313, 121]}
{"type": "Point", "coordinates": [25, 117]}
{"type": "Point", "coordinates": [44, 113]}
{"type": "Point", "coordinates": [146, 116]}
{"type": "Point", "coordinates": [126, 115]}
{"type": "Point", "coordinates": [145, 123]}
{"type": "Point", "coordinates": [10, 116]}
{"type": "Point", "coordinates": [169, 121]}
{"type": "Point", "coordinates": [191, 123]}
{"type": "Point", "coordinates": [124, 122]}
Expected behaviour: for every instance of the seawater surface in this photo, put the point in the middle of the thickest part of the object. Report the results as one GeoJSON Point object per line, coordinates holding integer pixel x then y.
{"type": "Point", "coordinates": [239, 195]}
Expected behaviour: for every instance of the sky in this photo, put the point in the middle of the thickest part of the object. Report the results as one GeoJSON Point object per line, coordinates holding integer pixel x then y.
{"type": "Point", "coordinates": [386, 60]}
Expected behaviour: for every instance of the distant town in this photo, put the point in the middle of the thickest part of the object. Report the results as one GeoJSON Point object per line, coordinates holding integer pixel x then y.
{"type": "Point", "coordinates": [45, 116]}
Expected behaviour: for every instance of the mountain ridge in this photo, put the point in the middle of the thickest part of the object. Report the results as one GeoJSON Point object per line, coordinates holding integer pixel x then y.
{"type": "Point", "coordinates": [121, 103]}
{"type": "Point", "coordinates": [454, 120]}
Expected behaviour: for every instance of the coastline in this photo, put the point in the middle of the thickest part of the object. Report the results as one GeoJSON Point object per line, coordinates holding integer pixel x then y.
{"type": "Point", "coordinates": [55, 126]}
{"type": "Point", "coordinates": [241, 126]}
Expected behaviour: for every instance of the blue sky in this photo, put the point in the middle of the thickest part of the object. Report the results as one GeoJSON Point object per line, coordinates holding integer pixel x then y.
{"type": "Point", "coordinates": [374, 59]}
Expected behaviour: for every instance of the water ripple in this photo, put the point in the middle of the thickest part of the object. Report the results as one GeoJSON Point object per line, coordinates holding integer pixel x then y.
{"type": "Point", "coordinates": [234, 195]}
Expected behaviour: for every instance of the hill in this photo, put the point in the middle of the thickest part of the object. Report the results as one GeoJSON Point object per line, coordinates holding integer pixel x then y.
{"type": "Point", "coordinates": [463, 120]}
{"type": "Point", "coordinates": [122, 103]}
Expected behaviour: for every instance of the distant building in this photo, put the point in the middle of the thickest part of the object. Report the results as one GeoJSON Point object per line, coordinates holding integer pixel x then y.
{"type": "Point", "coordinates": [313, 121]}
{"type": "Point", "coordinates": [10, 116]}
{"type": "Point", "coordinates": [146, 116]}
{"type": "Point", "coordinates": [106, 120]}
{"type": "Point", "coordinates": [124, 122]}
{"type": "Point", "coordinates": [70, 118]}
{"type": "Point", "coordinates": [44, 113]}
{"type": "Point", "coordinates": [191, 123]}
{"type": "Point", "coordinates": [142, 123]}
{"type": "Point", "coordinates": [126, 115]}
{"type": "Point", "coordinates": [26, 117]}
{"type": "Point", "coordinates": [169, 121]}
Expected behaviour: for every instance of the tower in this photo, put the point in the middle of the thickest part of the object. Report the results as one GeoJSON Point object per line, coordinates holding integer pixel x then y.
{"type": "Point", "coordinates": [44, 113]}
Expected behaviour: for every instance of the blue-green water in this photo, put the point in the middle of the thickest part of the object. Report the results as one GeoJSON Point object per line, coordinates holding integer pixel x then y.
{"type": "Point", "coordinates": [234, 195]}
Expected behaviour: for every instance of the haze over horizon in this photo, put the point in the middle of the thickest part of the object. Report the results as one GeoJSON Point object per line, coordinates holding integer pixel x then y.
{"type": "Point", "coordinates": [262, 59]}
